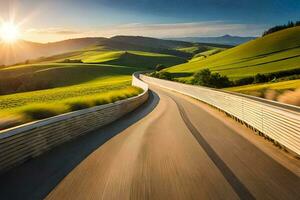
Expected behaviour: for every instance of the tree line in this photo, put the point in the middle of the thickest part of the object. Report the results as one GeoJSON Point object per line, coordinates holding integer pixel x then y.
{"type": "Point", "coordinates": [274, 29]}
{"type": "Point", "coordinates": [207, 78]}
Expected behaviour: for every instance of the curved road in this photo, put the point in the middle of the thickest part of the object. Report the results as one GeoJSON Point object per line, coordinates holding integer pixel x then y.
{"type": "Point", "coordinates": [183, 149]}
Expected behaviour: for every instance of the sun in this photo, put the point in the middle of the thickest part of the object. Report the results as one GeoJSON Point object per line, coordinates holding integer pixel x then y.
{"type": "Point", "coordinates": [9, 32]}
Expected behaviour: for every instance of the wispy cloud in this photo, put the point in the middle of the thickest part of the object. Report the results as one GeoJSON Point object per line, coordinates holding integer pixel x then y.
{"type": "Point", "coordinates": [58, 31]}
{"type": "Point", "coordinates": [211, 28]}
{"type": "Point", "coordinates": [214, 28]}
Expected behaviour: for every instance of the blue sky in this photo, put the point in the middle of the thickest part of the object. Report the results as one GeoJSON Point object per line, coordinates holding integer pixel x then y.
{"type": "Point", "coordinates": [47, 20]}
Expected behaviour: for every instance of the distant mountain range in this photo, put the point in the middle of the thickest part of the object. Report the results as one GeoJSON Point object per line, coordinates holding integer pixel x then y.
{"type": "Point", "coordinates": [225, 39]}
{"type": "Point", "coordinates": [25, 50]}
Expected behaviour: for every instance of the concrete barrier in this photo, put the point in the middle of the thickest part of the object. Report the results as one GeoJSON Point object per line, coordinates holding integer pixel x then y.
{"type": "Point", "coordinates": [280, 122]}
{"type": "Point", "coordinates": [30, 140]}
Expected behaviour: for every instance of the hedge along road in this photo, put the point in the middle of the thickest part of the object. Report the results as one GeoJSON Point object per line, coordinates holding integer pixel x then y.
{"type": "Point", "coordinates": [183, 149]}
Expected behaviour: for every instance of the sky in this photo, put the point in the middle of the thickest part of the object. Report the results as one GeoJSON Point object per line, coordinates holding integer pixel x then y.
{"type": "Point", "coordinates": [54, 20]}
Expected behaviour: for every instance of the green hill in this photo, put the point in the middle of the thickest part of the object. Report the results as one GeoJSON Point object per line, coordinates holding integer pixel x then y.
{"type": "Point", "coordinates": [92, 68]}
{"type": "Point", "coordinates": [150, 42]}
{"type": "Point", "coordinates": [29, 51]}
{"type": "Point", "coordinates": [51, 75]}
{"type": "Point", "coordinates": [272, 53]}
{"type": "Point", "coordinates": [144, 59]}
{"type": "Point", "coordinates": [53, 72]}
{"type": "Point", "coordinates": [24, 50]}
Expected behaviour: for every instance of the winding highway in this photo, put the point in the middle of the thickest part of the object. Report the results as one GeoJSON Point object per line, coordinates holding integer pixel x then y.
{"type": "Point", "coordinates": [180, 151]}
{"type": "Point", "coordinates": [173, 148]}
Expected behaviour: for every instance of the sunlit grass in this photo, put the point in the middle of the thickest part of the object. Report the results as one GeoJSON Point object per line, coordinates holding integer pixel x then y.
{"type": "Point", "coordinates": [45, 109]}
{"type": "Point", "coordinates": [285, 91]}
{"type": "Point", "coordinates": [272, 53]}
{"type": "Point", "coordinates": [60, 93]}
{"type": "Point", "coordinates": [284, 85]}
{"type": "Point", "coordinates": [50, 86]}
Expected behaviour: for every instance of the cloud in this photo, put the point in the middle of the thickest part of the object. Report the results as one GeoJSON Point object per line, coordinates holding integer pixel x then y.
{"type": "Point", "coordinates": [215, 28]}
{"type": "Point", "coordinates": [211, 28]}
{"type": "Point", "coordinates": [58, 31]}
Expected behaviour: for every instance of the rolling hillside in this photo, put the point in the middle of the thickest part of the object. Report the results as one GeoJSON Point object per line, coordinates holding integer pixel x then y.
{"type": "Point", "coordinates": [98, 57]}
{"type": "Point", "coordinates": [24, 50]}
{"type": "Point", "coordinates": [32, 92]}
{"type": "Point", "coordinates": [94, 68]}
{"type": "Point", "coordinates": [275, 52]}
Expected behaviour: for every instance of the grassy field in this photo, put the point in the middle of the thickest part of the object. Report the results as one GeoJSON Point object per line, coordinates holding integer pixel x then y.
{"type": "Point", "coordinates": [50, 86]}
{"type": "Point", "coordinates": [286, 91]}
{"type": "Point", "coordinates": [101, 73]}
{"type": "Point", "coordinates": [68, 87]}
{"type": "Point", "coordinates": [21, 108]}
{"type": "Point", "coordinates": [97, 74]}
{"type": "Point", "coordinates": [275, 52]}
{"type": "Point", "coordinates": [284, 85]}
{"type": "Point", "coordinates": [97, 65]}
{"type": "Point", "coordinates": [65, 74]}
{"type": "Point", "coordinates": [121, 58]}
{"type": "Point", "coordinates": [12, 101]}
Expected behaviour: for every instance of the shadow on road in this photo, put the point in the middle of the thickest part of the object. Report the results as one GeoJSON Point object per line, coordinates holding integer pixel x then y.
{"type": "Point", "coordinates": [37, 177]}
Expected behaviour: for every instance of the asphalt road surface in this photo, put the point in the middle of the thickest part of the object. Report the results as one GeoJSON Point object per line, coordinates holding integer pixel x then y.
{"type": "Point", "coordinates": [182, 149]}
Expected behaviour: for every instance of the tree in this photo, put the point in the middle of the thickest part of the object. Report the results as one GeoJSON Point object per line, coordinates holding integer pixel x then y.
{"type": "Point", "coordinates": [165, 75]}
{"type": "Point", "coordinates": [202, 77]}
{"type": "Point", "coordinates": [162, 75]}
{"type": "Point", "coordinates": [206, 78]}
{"type": "Point", "coordinates": [281, 27]}
{"type": "Point", "coordinates": [219, 81]}
{"type": "Point", "coordinates": [260, 78]}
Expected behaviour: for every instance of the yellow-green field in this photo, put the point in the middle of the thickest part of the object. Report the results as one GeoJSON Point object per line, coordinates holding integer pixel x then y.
{"type": "Point", "coordinates": [275, 52]}
{"type": "Point", "coordinates": [97, 74]}
{"type": "Point", "coordinates": [121, 58]}
{"type": "Point", "coordinates": [286, 91]}
{"type": "Point", "coordinates": [22, 108]}
{"type": "Point", "coordinates": [284, 85]}
{"type": "Point", "coordinates": [101, 73]}
{"type": "Point", "coordinates": [68, 87]}
{"type": "Point", "coordinates": [75, 80]}
{"type": "Point", "coordinates": [12, 101]}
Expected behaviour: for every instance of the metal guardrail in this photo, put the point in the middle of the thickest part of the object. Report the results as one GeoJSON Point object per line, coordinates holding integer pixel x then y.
{"type": "Point", "coordinates": [274, 120]}
{"type": "Point", "coordinates": [30, 140]}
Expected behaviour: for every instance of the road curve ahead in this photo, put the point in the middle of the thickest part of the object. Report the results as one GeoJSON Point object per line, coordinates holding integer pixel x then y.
{"type": "Point", "coordinates": [183, 149]}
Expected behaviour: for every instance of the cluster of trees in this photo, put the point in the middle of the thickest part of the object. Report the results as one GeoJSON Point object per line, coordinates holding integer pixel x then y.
{"type": "Point", "coordinates": [215, 80]}
{"type": "Point", "coordinates": [208, 79]}
{"type": "Point", "coordinates": [268, 77]}
{"type": "Point", "coordinates": [162, 75]}
{"type": "Point", "coordinates": [281, 27]}
{"type": "Point", "coordinates": [203, 77]}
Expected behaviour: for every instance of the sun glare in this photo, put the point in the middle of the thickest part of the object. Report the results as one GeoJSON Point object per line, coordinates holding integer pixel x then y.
{"type": "Point", "coordinates": [9, 32]}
